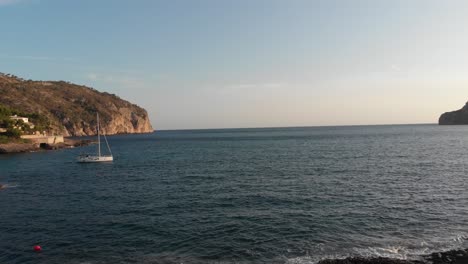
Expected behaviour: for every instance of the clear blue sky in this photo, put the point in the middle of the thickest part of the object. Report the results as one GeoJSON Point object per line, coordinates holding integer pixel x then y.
{"type": "Point", "coordinates": [250, 63]}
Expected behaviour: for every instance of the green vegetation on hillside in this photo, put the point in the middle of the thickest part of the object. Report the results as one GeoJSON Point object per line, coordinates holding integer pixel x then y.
{"type": "Point", "coordinates": [13, 129]}
{"type": "Point", "coordinates": [60, 107]}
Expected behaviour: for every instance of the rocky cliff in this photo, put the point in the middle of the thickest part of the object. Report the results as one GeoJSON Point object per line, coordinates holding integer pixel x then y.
{"type": "Point", "coordinates": [459, 117]}
{"type": "Point", "coordinates": [71, 109]}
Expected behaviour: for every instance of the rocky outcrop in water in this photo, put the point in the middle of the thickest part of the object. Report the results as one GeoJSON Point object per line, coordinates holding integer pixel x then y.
{"type": "Point", "coordinates": [71, 109]}
{"type": "Point", "coordinates": [17, 147]}
{"type": "Point", "coordinates": [359, 260]}
{"type": "Point", "coordinates": [459, 117]}
{"type": "Point", "coordinates": [448, 257]}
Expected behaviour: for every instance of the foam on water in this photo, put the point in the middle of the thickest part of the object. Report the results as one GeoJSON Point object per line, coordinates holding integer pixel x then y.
{"type": "Point", "coordinates": [8, 185]}
{"type": "Point", "coordinates": [404, 252]}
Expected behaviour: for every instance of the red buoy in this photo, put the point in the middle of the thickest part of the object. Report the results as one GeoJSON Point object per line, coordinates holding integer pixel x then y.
{"type": "Point", "coordinates": [37, 248]}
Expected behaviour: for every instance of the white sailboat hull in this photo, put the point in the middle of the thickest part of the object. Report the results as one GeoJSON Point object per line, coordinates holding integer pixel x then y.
{"type": "Point", "coordinates": [89, 158]}
{"type": "Point", "coordinates": [92, 158]}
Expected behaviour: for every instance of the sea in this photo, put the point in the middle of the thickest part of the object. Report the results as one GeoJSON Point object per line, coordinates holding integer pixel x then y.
{"type": "Point", "coordinates": [266, 195]}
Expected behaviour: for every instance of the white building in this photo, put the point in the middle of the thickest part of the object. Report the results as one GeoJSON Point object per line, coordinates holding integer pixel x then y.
{"type": "Point", "coordinates": [15, 117]}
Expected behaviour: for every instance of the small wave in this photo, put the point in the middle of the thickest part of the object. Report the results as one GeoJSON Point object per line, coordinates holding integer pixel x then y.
{"type": "Point", "coordinates": [7, 185]}
{"type": "Point", "coordinates": [461, 238]}
{"type": "Point", "coordinates": [314, 259]}
{"type": "Point", "coordinates": [396, 252]}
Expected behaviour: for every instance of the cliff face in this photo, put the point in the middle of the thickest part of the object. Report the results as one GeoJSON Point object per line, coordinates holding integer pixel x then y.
{"type": "Point", "coordinates": [72, 108]}
{"type": "Point", "coordinates": [459, 117]}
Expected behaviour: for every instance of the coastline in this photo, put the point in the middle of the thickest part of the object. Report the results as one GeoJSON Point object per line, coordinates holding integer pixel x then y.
{"type": "Point", "coordinates": [459, 256]}
{"type": "Point", "coordinates": [16, 147]}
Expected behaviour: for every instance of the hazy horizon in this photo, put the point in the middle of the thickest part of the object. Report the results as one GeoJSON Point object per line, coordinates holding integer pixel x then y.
{"type": "Point", "coordinates": [245, 64]}
{"type": "Point", "coordinates": [292, 127]}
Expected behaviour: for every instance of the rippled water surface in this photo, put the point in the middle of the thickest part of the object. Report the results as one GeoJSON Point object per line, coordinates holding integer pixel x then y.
{"type": "Point", "coordinates": [292, 195]}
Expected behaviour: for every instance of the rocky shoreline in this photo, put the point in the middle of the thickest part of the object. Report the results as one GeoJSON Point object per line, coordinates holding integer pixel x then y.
{"type": "Point", "coordinates": [15, 147]}
{"type": "Point", "coordinates": [447, 257]}
{"type": "Point", "coordinates": [458, 117]}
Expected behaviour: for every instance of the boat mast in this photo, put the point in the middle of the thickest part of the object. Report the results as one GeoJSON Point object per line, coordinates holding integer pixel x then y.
{"type": "Point", "coordinates": [98, 137]}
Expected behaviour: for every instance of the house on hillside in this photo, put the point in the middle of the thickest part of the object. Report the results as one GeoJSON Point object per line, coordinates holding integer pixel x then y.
{"type": "Point", "coordinates": [16, 117]}
{"type": "Point", "coordinates": [25, 127]}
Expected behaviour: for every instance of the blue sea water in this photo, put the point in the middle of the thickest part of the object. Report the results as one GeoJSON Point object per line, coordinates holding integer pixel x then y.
{"type": "Point", "coordinates": [273, 195]}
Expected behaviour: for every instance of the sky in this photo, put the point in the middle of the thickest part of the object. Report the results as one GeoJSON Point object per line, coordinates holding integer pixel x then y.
{"type": "Point", "coordinates": [250, 63]}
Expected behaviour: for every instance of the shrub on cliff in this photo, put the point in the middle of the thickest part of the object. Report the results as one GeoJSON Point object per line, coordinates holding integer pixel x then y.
{"type": "Point", "coordinates": [13, 133]}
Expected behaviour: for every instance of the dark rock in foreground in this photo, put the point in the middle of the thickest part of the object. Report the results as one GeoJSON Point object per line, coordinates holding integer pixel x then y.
{"type": "Point", "coordinates": [452, 257]}
{"type": "Point", "coordinates": [459, 117]}
{"type": "Point", "coordinates": [369, 261]}
{"type": "Point", "coordinates": [448, 257]}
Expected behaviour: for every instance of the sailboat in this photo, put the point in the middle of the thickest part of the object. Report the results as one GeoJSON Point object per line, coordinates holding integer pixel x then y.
{"type": "Point", "coordinates": [97, 158]}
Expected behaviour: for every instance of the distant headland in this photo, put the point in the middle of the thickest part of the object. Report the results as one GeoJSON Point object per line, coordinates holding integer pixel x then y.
{"type": "Point", "coordinates": [66, 109]}
{"type": "Point", "coordinates": [458, 117]}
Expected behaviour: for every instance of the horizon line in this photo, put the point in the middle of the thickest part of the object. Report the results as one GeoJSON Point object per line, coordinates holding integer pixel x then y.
{"type": "Point", "coordinates": [273, 127]}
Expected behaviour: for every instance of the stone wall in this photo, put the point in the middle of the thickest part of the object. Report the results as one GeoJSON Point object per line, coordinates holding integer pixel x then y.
{"type": "Point", "coordinates": [44, 139]}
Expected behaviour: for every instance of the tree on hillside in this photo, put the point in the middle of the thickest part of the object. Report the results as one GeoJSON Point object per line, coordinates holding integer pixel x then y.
{"type": "Point", "coordinates": [13, 133]}
{"type": "Point", "coordinates": [5, 111]}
